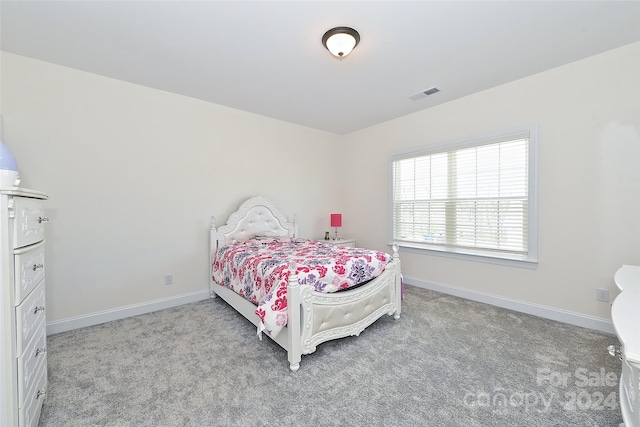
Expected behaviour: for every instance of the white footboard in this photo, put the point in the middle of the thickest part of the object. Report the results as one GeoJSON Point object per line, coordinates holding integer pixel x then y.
{"type": "Point", "coordinates": [314, 317]}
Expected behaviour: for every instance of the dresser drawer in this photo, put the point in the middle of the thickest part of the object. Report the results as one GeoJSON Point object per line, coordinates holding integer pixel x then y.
{"type": "Point", "coordinates": [30, 411]}
{"type": "Point", "coordinates": [29, 362]}
{"type": "Point", "coordinates": [29, 221]}
{"type": "Point", "coordinates": [342, 242]}
{"type": "Point", "coordinates": [29, 316]}
{"type": "Point", "coordinates": [29, 269]}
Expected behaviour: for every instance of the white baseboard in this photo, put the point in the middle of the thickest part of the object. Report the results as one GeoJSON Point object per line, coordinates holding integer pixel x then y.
{"type": "Point", "coordinates": [57, 326]}
{"type": "Point", "coordinates": [565, 316]}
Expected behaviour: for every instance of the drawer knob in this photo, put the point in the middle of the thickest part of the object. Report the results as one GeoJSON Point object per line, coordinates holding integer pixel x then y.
{"type": "Point", "coordinates": [615, 351]}
{"type": "Point", "coordinates": [40, 393]}
{"type": "Point", "coordinates": [38, 308]}
{"type": "Point", "coordinates": [39, 351]}
{"type": "Point", "coordinates": [42, 219]}
{"type": "Point", "coordinates": [37, 266]}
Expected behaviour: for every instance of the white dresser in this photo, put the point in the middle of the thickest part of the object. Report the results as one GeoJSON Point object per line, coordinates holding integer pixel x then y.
{"type": "Point", "coordinates": [625, 314]}
{"type": "Point", "coordinates": [23, 360]}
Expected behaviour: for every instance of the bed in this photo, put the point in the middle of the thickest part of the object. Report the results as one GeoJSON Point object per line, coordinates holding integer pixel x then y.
{"type": "Point", "coordinates": [312, 317]}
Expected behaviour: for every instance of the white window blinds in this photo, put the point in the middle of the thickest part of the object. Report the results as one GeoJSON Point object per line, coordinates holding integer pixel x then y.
{"type": "Point", "coordinates": [472, 197]}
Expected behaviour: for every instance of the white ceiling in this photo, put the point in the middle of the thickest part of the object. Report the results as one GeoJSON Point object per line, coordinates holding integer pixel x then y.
{"type": "Point", "coordinates": [266, 57]}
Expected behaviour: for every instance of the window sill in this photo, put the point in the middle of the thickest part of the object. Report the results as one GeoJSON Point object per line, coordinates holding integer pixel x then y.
{"type": "Point", "coordinates": [471, 255]}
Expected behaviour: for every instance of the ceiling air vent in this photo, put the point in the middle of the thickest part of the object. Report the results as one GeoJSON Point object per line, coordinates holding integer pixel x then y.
{"type": "Point", "coordinates": [425, 93]}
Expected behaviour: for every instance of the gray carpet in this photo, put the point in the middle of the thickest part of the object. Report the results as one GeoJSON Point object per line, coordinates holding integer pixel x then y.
{"type": "Point", "coordinates": [446, 362]}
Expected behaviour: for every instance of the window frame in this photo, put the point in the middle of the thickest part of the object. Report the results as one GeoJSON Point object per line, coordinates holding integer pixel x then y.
{"type": "Point", "coordinates": [528, 260]}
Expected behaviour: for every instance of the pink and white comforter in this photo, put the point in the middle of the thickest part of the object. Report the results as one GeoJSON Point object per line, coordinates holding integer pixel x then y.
{"type": "Point", "coordinates": [259, 270]}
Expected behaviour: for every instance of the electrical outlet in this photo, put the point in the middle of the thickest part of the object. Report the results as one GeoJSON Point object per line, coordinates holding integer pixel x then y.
{"type": "Point", "coordinates": [168, 279]}
{"type": "Point", "coordinates": [602, 295]}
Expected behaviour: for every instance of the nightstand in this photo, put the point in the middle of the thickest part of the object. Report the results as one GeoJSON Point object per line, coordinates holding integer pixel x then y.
{"type": "Point", "coordinates": [343, 242]}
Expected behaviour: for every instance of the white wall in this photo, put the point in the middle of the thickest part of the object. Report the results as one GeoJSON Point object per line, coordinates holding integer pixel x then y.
{"type": "Point", "coordinates": [588, 114]}
{"type": "Point", "coordinates": [133, 175]}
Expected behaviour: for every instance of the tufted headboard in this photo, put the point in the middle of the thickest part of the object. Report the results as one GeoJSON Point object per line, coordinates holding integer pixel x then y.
{"type": "Point", "coordinates": [255, 217]}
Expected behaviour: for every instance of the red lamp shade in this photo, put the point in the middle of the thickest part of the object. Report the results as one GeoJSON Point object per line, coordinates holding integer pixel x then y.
{"type": "Point", "coordinates": [336, 220]}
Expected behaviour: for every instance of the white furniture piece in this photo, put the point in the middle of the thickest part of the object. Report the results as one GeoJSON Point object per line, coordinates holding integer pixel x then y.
{"type": "Point", "coordinates": [313, 317]}
{"type": "Point", "coordinates": [342, 242]}
{"type": "Point", "coordinates": [23, 360]}
{"type": "Point", "coordinates": [625, 314]}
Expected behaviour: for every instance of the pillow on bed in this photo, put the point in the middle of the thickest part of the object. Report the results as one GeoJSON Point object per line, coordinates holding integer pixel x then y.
{"type": "Point", "coordinates": [270, 239]}
{"type": "Point", "coordinates": [271, 234]}
{"type": "Point", "coordinates": [262, 236]}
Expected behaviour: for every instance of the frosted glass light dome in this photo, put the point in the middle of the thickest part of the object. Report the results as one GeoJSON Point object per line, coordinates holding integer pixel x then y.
{"type": "Point", "coordinates": [340, 41]}
{"type": "Point", "coordinates": [9, 176]}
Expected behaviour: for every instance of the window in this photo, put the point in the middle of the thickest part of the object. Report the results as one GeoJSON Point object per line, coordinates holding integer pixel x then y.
{"type": "Point", "coordinates": [471, 198]}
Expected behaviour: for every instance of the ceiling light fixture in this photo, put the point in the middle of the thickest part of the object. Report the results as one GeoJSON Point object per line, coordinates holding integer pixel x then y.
{"type": "Point", "coordinates": [340, 41]}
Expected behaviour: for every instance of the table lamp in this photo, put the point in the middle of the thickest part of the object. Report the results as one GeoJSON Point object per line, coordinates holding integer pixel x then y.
{"type": "Point", "coordinates": [9, 176]}
{"type": "Point", "coordinates": [336, 221]}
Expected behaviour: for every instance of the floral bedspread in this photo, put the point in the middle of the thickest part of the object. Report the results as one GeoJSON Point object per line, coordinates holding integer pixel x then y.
{"type": "Point", "coordinates": [259, 270]}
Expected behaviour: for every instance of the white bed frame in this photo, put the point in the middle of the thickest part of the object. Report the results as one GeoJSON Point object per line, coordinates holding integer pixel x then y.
{"type": "Point", "coordinates": [313, 317]}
